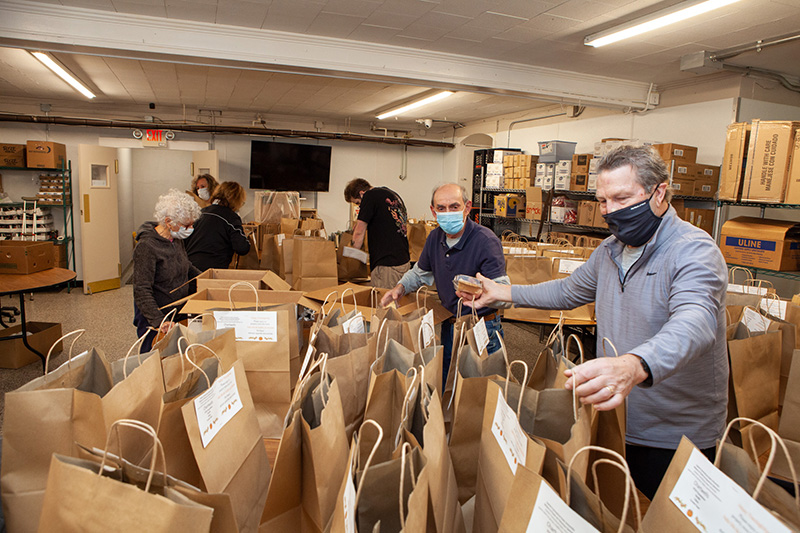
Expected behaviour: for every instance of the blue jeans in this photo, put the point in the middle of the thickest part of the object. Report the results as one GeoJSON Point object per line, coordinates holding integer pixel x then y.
{"type": "Point", "coordinates": [493, 328]}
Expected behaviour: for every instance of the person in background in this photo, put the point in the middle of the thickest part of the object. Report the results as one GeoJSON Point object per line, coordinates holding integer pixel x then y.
{"type": "Point", "coordinates": [659, 284]}
{"type": "Point", "coordinates": [203, 187]}
{"type": "Point", "coordinates": [457, 246]}
{"type": "Point", "coordinates": [161, 267]}
{"type": "Point", "coordinates": [218, 232]}
{"type": "Point", "coordinates": [383, 215]}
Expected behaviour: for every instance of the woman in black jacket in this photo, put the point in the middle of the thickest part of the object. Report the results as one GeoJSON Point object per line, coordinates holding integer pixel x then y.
{"type": "Point", "coordinates": [218, 232]}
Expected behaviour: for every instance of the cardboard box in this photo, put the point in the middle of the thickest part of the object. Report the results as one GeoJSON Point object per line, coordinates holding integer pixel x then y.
{"type": "Point", "coordinates": [682, 170]}
{"type": "Point", "coordinates": [533, 203]}
{"type": "Point", "coordinates": [508, 161]}
{"type": "Point", "coordinates": [209, 299]}
{"type": "Point", "coordinates": [578, 182]}
{"type": "Point", "coordinates": [702, 218]}
{"type": "Point", "coordinates": [509, 205]}
{"type": "Point", "coordinates": [705, 188]}
{"type": "Point", "coordinates": [42, 335]}
{"type": "Point", "coordinates": [591, 182]}
{"type": "Point", "coordinates": [707, 172]}
{"type": "Point", "coordinates": [737, 139]}
{"type": "Point", "coordinates": [768, 159]}
{"type": "Point", "coordinates": [761, 243]}
{"type": "Point", "coordinates": [562, 182]}
{"type": "Point", "coordinates": [218, 278]}
{"type": "Point", "coordinates": [60, 255]}
{"type": "Point", "coordinates": [793, 185]}
{"type": "Point", "coordinates": [586, 210]}
{"type": "Point", "coordinates": [599, 221]}
{"type": "Point", "coordinates": [12, 155]}
{"type": "Point", "coordinates": [683, 187]}
{"type": "Point", "coordinates": [679, 206]}
{"type": "Point", "coordinates": [494, 169]}
{"type": "Point", "coordinates": [594, 163]}
{"type": "Point", "coordinates": [676, 152]}
{"type": "Point", "coordinates": [42, 154]}
{"type": "Point", "coordinates": [580, 163]}
{"type": "Point", "coordinates": [24, 257]}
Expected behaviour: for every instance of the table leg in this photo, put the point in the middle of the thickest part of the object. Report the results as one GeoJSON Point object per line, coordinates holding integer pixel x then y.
{"type": "Point", "coordinates": [25, 329]}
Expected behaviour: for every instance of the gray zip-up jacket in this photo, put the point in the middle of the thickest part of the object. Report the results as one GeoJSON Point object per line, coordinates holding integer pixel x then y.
{"type": "Point", "coordinates": [669, 310]}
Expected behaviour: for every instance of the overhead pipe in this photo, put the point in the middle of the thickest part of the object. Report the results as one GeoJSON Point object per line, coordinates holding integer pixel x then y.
{"type": "Point", "coordinates": [727, 53]}
{"type": "Point", "coordinates": [210, 128]}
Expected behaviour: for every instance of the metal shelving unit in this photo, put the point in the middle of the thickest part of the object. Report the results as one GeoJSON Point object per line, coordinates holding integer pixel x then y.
{"type": "Point", "coordinates": [65, 205]}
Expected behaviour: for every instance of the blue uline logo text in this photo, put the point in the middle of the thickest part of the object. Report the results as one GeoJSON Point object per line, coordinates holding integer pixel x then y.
{"type": "Point", "coordinates": [740, 242]}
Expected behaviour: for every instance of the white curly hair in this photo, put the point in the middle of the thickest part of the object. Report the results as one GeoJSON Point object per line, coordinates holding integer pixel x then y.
{"type": "Point", "coordinates": [178, 206]}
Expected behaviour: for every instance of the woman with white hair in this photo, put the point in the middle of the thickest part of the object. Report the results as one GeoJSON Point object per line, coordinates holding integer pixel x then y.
{"type": "Point", "coordinates": [160, 263]}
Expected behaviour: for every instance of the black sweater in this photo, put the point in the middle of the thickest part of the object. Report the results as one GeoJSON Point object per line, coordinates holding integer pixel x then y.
{"type": "Point", "coordinates": [217, 235]}
{"type": "Point", "coordinates": [159, 266]}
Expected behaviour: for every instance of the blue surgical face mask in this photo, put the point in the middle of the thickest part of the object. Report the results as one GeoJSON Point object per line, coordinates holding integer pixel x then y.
{"type": "Point", "coordinates": [451, 223]}
{"type": "Point", "coordinates": [182, 233]}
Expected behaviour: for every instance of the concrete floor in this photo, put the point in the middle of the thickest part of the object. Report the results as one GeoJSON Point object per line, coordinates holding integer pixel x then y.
{"type": "Point", "coordinates": [107, 318]}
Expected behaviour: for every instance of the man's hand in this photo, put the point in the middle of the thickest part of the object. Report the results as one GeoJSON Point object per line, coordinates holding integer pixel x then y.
{"type": "Point", "coordinates": [492, 293]}
{"type": "Point", "coordinates": [605, 382]}
{"type": "Point", "coordinates": [393, 295]}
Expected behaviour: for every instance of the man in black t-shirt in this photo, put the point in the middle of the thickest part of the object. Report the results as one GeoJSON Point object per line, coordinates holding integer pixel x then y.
{"type": "Point", "coordinates": [383, 213]}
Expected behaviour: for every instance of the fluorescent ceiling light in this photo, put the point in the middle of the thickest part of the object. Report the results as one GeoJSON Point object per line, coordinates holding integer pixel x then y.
{"type": "Point", "coordinates": [63, 74]}
{"type": "Point", "coordinates": [413, 105]}
{"type": "Point", "coordinates": [659, 19]}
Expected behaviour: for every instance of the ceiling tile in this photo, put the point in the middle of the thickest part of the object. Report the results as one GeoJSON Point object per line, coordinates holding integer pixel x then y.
{"type": "Point", "coordinates": [295, 16]}
{"type": "Point", "coordinates": [522, 34]}
{"type": "Point", "coordinates": [374, 34]}
{"type": "Point", "coordinates": [550, 22]}
{"type": "Point", "coordinates": [246, 14]}
{"type": "Point", "coordinates": [361, 8]}
{"type": "Point", "coordinates": [472, 33]}
{"type": "Point", "coordinates": [333, 25]}
{"type": "Point", "coordinates": [379, 17]}
{"type": "Point", "coordinates": [139, 8]}
{"type": "Point", "coordinates": [495, 21]}
{"type": "Point", "coordinates": [191, 10]}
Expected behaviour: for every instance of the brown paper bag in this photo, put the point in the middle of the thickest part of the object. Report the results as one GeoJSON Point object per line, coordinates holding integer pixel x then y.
{"type": "Point", "coordinates": [311, 460]}
{"type": "Point", "coordinates": [417, 235]}
{"type": "Point", "coordinates": [391, 495]}
{"type": "Point", "coordinates": [313, 259]}
{"type": "Point", "coordinates": [348, 268]}
{"type": "Point", "coordinates": [789, 424]}
{"type": "Point", "coordinates": [755, 362]}
{"type": "Point", "coordinates": [250, 261]}
{"type": "Point", "coordinates": [739, 483]}
{"type": "Point", "coordinates": [501, 452]}
{"type": "Point", "coordinates": [78, 499]}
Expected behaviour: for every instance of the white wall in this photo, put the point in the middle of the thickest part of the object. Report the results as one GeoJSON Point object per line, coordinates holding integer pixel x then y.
{"type": "Point", "coordinates": [750, 109]}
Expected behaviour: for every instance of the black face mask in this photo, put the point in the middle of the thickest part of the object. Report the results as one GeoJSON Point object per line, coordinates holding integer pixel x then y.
{"type": "Point", "coordinates": [634, 225]}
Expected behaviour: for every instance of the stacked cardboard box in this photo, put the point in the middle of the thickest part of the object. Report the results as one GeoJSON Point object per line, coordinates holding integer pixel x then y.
{"type": "Point", "coordinates": [545, 176]}
{"type": "Point", "coordinates": [509, 205]}
{"type": "Point", "coordinates": [770, 174]}
{"type": "Point", "coordinates": [533, 203]}
{"type": "Point", "coordinates": [12, 155]}
{"type": "Point", "coordinates": [519, 170]}
{"type": "Point", "coordinates": [687, 177]}
{"type": "Point", "coordinates": [42, 154]}
{"type": "Point", "coordinates": [53, 191]}
{"type": "Point", "coordinates": [579, 178]}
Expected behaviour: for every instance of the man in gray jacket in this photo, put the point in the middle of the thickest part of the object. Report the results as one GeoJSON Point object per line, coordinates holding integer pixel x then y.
{"type": "Point", "coordinates": [659, 285]}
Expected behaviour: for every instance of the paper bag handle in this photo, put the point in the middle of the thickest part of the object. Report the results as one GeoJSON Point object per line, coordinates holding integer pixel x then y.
{"type": "Point", "coordinates": [424, 297]}
{"type": "Point", "coordinates": [770, 297]}
{"type": "Point", "coordinates": [378, 339]}
{"type": "Point", "coordinates": [241, 284]}
{"type": "Point", "coordinates": [403, 453]}
{"type": "Point", "coordinates": [522, 387]}
{"type": "Point", "coordinates": [167, 318]}
{"type": "Point", "coordinates": [420, 336]}
{"type": "Point", "coordinates": [406, 400]}
{"type": "Point", "coordinates": [734, 269]}
{"type": "Point", "coordinates": [630, 487]}
{"type": "Point", "coordinates": [504, 351]}
{"type": "Point", "coordinates": [321, 363]}
{"type": "Point", "coordinates": [607, 340]}
{"type": "Point", "coordinates": [138, 342]}
{"type": "Point", "coordinates": [185, 354]}
{"type": "Point", "coordinates": [201, 315]}
{"type": "Point", "coordinates": [619, 463]}
{"type": "Point", "coordinates": [557, 333]}
{"type": "Point", "coordinates": [370, 456]}
{"type": "Point", "coordinates": [578, 343]}
{"type": "Point", "coordinates": [461, 341]}
{"type": "Point", "coordinates": [355, 302]}
{"type": "Point", "coordinates": [760, 283]}
{"type": "Point", "coordinates": [774, 437]}
{"type": "Point", "coordinates": [324, 313]}
{"type": "Point", "coordinates": [69, 357]}
{"type": "Point", "coordinates": [157, 446]}
{"type": "Point", "coordinates": [374, 299]}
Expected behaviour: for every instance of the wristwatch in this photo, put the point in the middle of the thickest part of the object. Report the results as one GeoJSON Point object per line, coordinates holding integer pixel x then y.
{"type": "Point", "coordinates": [649, 381]}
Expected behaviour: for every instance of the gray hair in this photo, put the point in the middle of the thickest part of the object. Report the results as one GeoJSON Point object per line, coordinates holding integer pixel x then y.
{"type": "Point", "coordinates": [177, 206]}
{"type": "Point", "coordinates": [650, 169]}
{"type": "Point", "coordinates": [464, 196]}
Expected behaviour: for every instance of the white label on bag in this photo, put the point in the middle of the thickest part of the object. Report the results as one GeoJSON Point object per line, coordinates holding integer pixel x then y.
{"type": "Point", "coordinates": [755, 322]}
{"type": "Point", "coordinates": [508, 434]}
{"type": "Point", "coordinates": [279, 238]}
{"type": "Point", "coordinates": [568, 266]}
{"type": "Point", "coordinates": [481, 335]}
{"type": "Point", "coordinates": [738, 289]}
{"type": "Point", "coordinates": [355, 253]}
{"type": "Point", "coordinates": [551, 514]}
{"type": "Point", "coordinates": [355, 324]}
{"type": "Point", "coordinates": [761, 291]}
{"type": "Point", "coordinates": [773, 307]}
{"type": "Point", "coordinates": [349, 502]}
{"type": "Point", "coordinates": [427, 332]}
{"type": "Point", "coordinates": [712, 501]}
{"type": "Point", "coordinates": [215, 407]}
{"type": "Point", "coordinates": [257, 326]}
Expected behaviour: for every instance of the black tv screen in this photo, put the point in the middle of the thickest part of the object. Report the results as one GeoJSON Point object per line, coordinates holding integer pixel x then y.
{"type": "Point", "coordinates": [289, 167]}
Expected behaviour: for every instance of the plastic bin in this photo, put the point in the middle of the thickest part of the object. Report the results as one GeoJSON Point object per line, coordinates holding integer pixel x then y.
{"type": "Point", "coordinates": [552, 151]}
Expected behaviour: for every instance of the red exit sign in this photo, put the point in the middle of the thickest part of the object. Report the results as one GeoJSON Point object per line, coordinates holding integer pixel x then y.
{"type": "Point", "coordinates": [154, 135]}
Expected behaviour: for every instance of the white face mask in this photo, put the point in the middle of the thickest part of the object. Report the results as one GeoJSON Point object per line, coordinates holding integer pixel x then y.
{"type": "Point", "coordinates": [204, 194]}
{"type": "Point", "coordinates": [182, 233]}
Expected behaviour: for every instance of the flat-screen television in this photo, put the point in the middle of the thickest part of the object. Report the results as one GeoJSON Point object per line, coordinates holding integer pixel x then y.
{"type": "Point", "coordinates": [283, 166]}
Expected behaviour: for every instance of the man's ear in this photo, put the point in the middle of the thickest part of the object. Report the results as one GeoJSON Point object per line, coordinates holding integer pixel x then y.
{"type": "Point", "coordinates": [468, 205]}
{"type": "Point", "coordinates": [433, 213]}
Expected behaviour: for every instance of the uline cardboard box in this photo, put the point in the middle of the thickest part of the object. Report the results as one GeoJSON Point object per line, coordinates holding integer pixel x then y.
{"type": "Point", "coordinates": [733, 162]}
{"type": "Point", "coordinates": [43, 154]}
{"type": "Point", "coordinates": [41, 336]}
{"type": "Point", "coordinates": [768, 160]}
{"type": "Point", "coordinates": [12, 155]}
{"type": "Point", "coordinates": [24, 257]}
{"type": "Point", "coordinates": [676, 152]}
{"type": "Point", "coordinates": [761, 243]}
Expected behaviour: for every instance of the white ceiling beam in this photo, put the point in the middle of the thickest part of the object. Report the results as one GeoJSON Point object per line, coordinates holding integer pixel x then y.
{"type": "Point", "coordinates": [79, 30]}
